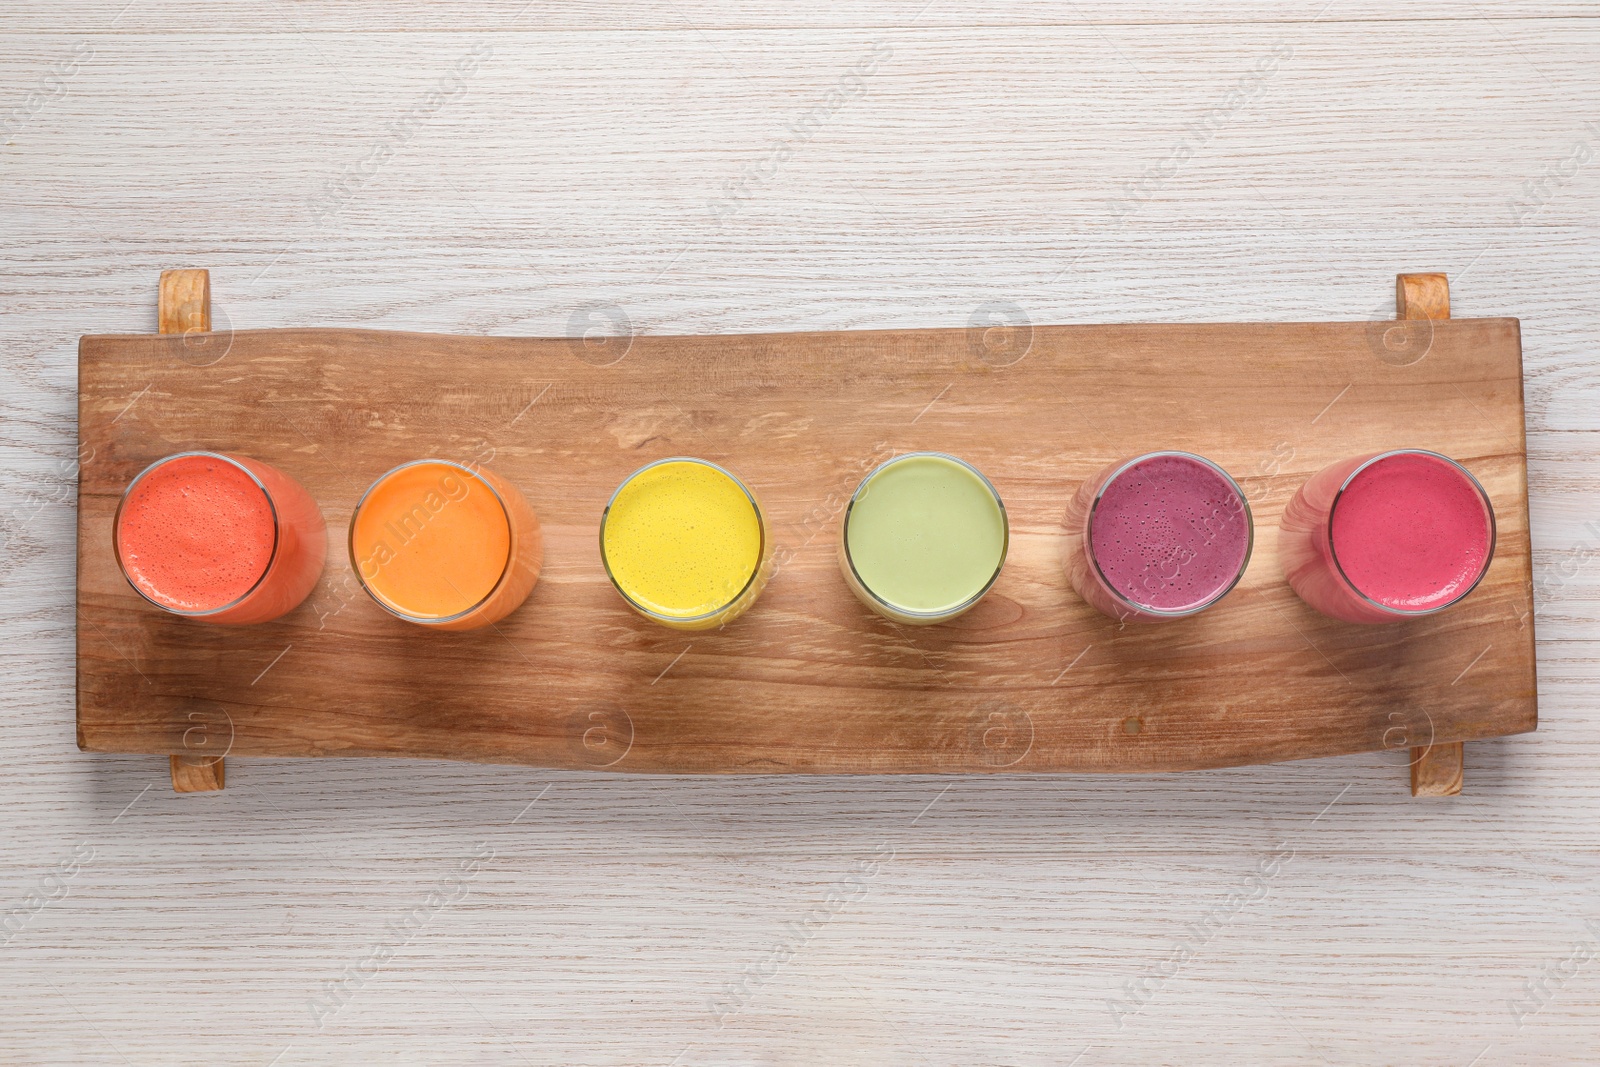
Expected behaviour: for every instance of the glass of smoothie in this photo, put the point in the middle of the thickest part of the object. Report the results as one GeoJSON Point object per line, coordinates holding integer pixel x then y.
{"type": "Point", "coordinates": [923, 538]}
{"type": "Point", "coordinates": [445, 545]}
{"type": "Point", "coordinates": [1387, 536]}
{"type": "Point", "coordinates": [1159, 536]}
{"type": "Point", "coordinates": [686, 544]}
{"type": "Point", "coordinates": [220, 538]}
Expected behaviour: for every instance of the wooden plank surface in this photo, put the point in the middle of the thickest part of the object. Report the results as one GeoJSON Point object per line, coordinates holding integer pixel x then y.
{"type": "Point", "coordinates": [1031, 680]}
{"type": "Point", "coordinates": [573, 172]}
{"type": "Point", "coordinates": [344, 16]}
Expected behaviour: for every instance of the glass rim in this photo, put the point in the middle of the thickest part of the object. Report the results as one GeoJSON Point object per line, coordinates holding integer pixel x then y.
{"type": "Point", "coordinates": [950, 612]}
{"type": "Point", "coordinates": [431, 620]}
{"type": "Point", "coordinates": [1249, 531]}
{"type": "Point", "coordinates": [272, 509]}
{"type": "Point", "coordinates": [761, 548]}
{"type": "Point", "coordinates": [1483, 498]}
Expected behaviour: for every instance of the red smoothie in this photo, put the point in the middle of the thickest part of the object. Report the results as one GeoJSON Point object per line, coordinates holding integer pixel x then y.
{"type": "Point", "coordinates": [195, 534]}
{"type": "Point", "coordinates": [1411, 532]}
{"type": "Point", "coordinates": [1170, 533]}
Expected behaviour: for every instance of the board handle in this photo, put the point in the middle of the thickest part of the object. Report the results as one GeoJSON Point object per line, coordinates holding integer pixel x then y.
{"type": "Point", "coordinates": [192, 775]}
{"type": "Point", "coordinates": [1435, 770]}
{"type": "Point", "coordinates": [184, 306]}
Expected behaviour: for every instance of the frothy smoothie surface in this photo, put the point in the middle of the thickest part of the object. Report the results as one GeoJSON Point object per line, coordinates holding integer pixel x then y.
{"type": "Point", "coordinates": [196, 534]}
{"type": "Point", "coordinates": [431, 540]}
{"type": "Point", "coordinates": [1170, 533]}
{"type": "Point", "coordinates": [926, 534]}
{"type": "Point", "coordinates": [682, 539]}
{"type": "Point", "coordinates": [1411, 532]}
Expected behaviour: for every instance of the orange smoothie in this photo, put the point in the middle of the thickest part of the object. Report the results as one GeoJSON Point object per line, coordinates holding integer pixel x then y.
{"type": "Point", "coordinates": [440, 544]}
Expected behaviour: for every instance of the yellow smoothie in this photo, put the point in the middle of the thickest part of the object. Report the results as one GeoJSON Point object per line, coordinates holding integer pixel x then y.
{"type": "Point", "coordinates": [684, 543]}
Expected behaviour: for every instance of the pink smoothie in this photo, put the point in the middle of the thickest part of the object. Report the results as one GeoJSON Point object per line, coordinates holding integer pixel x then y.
{"type": "Point", "coordinates": [1170, 533]}
{"type": "Point", "coordinates": [1412, 532]}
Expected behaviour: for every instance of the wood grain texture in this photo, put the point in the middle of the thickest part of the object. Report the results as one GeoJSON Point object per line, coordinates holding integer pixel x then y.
{"type": "Point", "coordinates": [1030, 680]}
{"type": "Point", "coordinates": [192, 774]}
{"type": "Point", "coordinates": [345, 16]}
{"type": "Point", "coordinates": [184, 302]}
{"type": "Point", "coordinates": [1422, 296]}
{"type": "Point", "coordinates": [1437, 771]}
{"type": "Point", "coordinates": [978, 167]}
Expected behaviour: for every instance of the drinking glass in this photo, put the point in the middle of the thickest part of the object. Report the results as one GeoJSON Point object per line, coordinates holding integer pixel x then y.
{"type": "Point", "coordinates": [219, 537]}
{"type": "Point", "coordinates": [1157, 536]}
{"type": "Point", "coordinates": [446, 545]}
{"type": "Point", "coordinates": [924, 538]}
{"type": "Point", "coordinates": [685, 543]}
{"type": "Point", "coordinates": [1387, 536]}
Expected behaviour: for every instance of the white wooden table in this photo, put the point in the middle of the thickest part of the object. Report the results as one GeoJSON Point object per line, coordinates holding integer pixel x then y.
{"type": "Point", "coordinates": [729, 165]}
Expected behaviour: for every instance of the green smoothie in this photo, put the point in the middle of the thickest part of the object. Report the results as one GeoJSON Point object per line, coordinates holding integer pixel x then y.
{"type": "Point", "coordinates": [926, 534]}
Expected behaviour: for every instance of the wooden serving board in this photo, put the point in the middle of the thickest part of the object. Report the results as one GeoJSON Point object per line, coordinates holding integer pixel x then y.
{"type": "Point", "coordinates": [808, 681]}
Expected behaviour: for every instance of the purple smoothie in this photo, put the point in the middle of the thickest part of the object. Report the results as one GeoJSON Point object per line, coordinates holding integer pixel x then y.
{"type": "Point", "coordinates": [1170, 532]}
